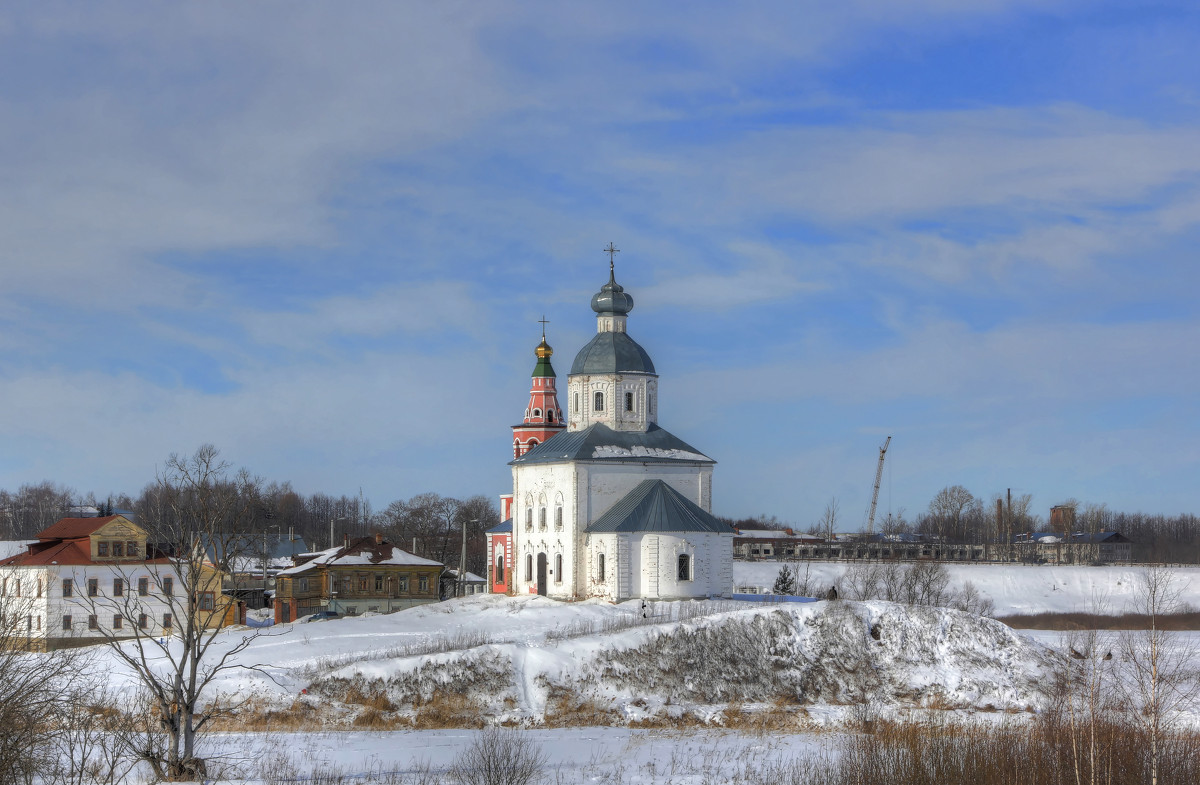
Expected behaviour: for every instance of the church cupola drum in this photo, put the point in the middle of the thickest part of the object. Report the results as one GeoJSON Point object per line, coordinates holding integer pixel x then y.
{"type": "Point", "coordinates": [543, 417]}
{"type": "Point", "coordinates": [612, 380]}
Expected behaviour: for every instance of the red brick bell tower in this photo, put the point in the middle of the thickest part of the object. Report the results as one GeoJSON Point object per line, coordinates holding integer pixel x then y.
{"type": "Point", "coordinates": [543, 417]}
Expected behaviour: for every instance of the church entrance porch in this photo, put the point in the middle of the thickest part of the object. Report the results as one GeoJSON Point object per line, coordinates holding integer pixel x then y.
{"type": "Point", "coordinates": [541, 574]}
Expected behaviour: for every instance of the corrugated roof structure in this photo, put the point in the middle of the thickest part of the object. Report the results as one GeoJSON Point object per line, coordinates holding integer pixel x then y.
{"type": "Point", "coordinates": [654, 506]}
{"type": "Point", "coordinates": [612, 352]}
{"type": "Point", "coordinates": [600, 443]}
{"type": "Point", "coordinates": [503, 528]}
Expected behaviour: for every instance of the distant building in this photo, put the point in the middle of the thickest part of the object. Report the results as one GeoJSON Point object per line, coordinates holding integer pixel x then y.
{"type": "Point", "coordinates": [1106, 547]}
{"type": "Point", "coordinates": [87, 580]}
{"type": "Point", "coordinates": [770, 543]}
{"type": "Point", "coordinates": [364, 575]}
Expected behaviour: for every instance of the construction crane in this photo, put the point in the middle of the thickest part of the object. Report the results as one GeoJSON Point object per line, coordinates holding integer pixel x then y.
{"type": "Point", "coordinates": [875, 493]}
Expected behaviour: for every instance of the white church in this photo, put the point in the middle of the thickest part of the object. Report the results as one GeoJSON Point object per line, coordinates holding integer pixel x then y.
{"type": "Point", "coordinates": [605, 503]}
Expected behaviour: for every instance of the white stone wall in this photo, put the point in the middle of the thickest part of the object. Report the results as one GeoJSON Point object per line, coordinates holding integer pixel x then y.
{"type": "Point", "coordinates": [547, 487]}
{"type": "Point", "coordinates": [48, 609]}
{"type": "Point", "coordinates": [581, 390]}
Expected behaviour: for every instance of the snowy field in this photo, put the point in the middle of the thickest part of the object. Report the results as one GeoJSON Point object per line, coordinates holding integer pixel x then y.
{"type": "Point", "coordinates": [572, 755]}
{"type": "Point", "coordinates": [1014, 588]}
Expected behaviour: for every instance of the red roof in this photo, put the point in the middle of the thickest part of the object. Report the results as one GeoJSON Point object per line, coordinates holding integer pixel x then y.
{"type": "Point", "coordinates": [68, 552]}
{"type": "Point", "coordinates": [70, 528]}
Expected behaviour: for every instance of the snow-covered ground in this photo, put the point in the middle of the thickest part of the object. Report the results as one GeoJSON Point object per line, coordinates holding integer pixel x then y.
{"type": "Point", "coordinates": [572, 755]}
{"type": "Point", "coordinates": [1014, 588]}
{"type": "Point", "coordinates": [535, 661]}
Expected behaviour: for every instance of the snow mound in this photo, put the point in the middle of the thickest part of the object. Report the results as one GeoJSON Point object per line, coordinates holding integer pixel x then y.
{"type": "Point", "coordinates": [815, 655]}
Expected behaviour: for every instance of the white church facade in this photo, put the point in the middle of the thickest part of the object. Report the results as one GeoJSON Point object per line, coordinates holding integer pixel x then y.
{"type": "Point", "coordinates": [608, 504]}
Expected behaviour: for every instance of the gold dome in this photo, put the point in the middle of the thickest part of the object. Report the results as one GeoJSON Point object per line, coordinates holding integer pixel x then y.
{"type": "Point", "coordinates": [543, 350]}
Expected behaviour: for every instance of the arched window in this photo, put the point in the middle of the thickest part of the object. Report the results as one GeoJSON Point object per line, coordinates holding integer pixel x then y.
{"type": "Point", "coordinates": [499, 576]}
{"type": "Point", "coordinates": [685, 567]}
{"type": "Point", "coordinates": [628, 401]}
{"type": "Point", "coordinates": [550, 415]}
{"type": "Point", "coordinates": [558, 518]}
{"type": "Point", "coordinates": [529, 566]}
{"type": "Point", "coordinates": [598, 402]}
{"type": "Point", "coordinates": [577, 403]}
{"type": "Point", "coordinates": [558, 568]}
{"type": "Point", "coordinates": [537, 413]}
{"type": "Point", "coordinates": [528, 519]}
{"type": "Point", "coordinates": [600, 567]}
{"type": "Point", "coordinates": [542, 519]}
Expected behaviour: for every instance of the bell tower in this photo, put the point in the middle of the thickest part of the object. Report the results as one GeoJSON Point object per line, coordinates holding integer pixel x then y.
{"type": "Point", "coordinates": [543, 416]}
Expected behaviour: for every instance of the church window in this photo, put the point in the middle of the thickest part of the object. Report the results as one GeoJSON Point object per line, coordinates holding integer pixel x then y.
{"type": "Point", "coordinates": [600, 567]}
{"type": "Point", "coordinates": [541, 519]}
{"type": "Point", "coordinates": [558, 568]}
{"type": "Point", "coordinates": [550, 415]}
{"type": "Point", "coordinates": [529, 567]}
{"type": "Point", "coordinates": [558, 518]}
{"type": "Point", "coordinates": [528, 519]}
{"type": "Point", "coordinates": [685, 567]}
{"type": "Point", "coordinates": [599, 402]}
{"type": "Point", "coordinates": [537, 413]}
{"type": "Point", "coordinates": [577, 403]}
{"type": "Point", "coordinates": [628, 401]}
{"type": "Point", "coordinates": [499, 577]}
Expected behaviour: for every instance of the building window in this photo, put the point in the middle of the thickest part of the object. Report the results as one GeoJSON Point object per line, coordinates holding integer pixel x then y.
{"type": "Point", "coordinates": [143, 621]}
{"type": "Point", "coordinates": [685, 567]}
{"type": "Point", "coordinates": [166, 621]}
{"type": "Point", "coordinates": [304, 584]}
{"type": "Point", "coordinates": [118, 550]}
{"type": "Point", "coordinates": [351, 610]}
{"type": "Point", "coordinates": [424, 585]}
{"type": "Point", "coordinates": [67, 623]}
{"type": "Point", "coordinates": [558, 568]}
{"type": "Point", "coordinates": [528, 519]}
{"type": "Point", "coordinates": [206, 601]}
{"type": "Point", "coordinates": [529, 567]}
{"type": "Point", "coordinates": [537, 413]}
{"type": "Point", "coordinates": [143, 587]}
{"type": "Point", "coordinates": [68, 588]}
{"type": "Point", "coordinates": [131, 549]}
{"type": "Point", "coordinates": [558, 518]}
{"type": "Point", "coordinates": [403, 580]}
{"type": "Point", "coordinates": [102, 549]}
{"type": "Point", "coordinates": [628, 401]}
{"type": "Point", "coordinates": [598, 402]}
{"type": "Point", "coordinates": [541, 519]}
{"type": "Point", "coordinates": [117, 621]}
{"type": "Point", "coordinates": [550, 415]}
{"type": "Point", "coordinates": [118, 587]}
{"type": "Point", "coordinates": [576, 407]}
{"type": "Point", "coordinates": [93, 622]}
{"type": "Point", "coordinates": [499, 576]}
{"type": "Point", "coordinates": [93, 587]}
{"type": "Point", "coordinates": [378, 583]}
{"type": "Point", "coordinates": [600, 567]}
{"type": "Point", "coordinates": [168, 586]}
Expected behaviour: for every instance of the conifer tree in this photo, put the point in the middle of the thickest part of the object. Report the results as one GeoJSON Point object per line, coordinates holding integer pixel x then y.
{"type": "Point", "coordinates": [785, 582]}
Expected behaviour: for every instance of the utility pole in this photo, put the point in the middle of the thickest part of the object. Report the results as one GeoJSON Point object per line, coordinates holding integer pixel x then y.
{"type": "Point", "coordinates": [460, 590]}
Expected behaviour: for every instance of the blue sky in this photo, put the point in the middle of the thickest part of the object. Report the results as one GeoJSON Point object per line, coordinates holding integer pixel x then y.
{"type": "Point", "coordinates": [320, 237]}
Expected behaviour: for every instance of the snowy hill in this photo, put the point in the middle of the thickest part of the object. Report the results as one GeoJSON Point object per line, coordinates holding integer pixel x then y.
{"type": "Point", "coordinates": [537, 661]}
{"type": "Point", "coordinates": [1014, 588]}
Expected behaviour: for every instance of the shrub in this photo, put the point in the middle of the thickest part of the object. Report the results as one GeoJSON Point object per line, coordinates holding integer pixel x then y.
{"type": "Point", "coordinates": [499, 756]}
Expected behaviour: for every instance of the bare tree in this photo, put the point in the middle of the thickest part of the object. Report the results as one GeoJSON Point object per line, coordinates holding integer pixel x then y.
{"type": "Point", "coordinates": [499, 756]}
{"type": "Point", "coordinates": [1160, 680]}
{"type": "Point", "coordinates": [202, 511]}
{"type": "Point", "coordinates": [826, 525]}
{"type": "Point", "coordinates": [950, 509]}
